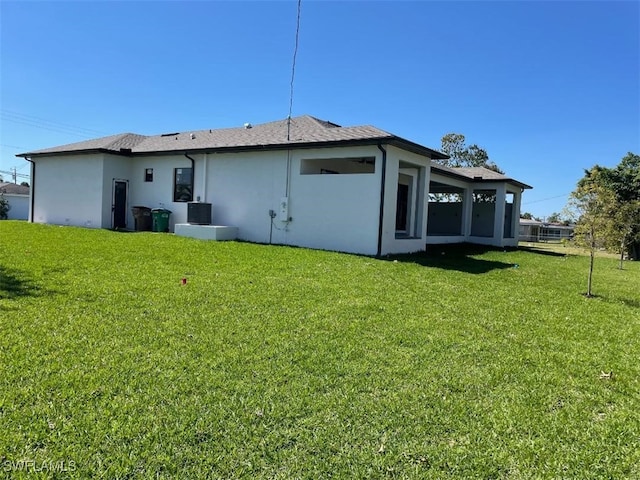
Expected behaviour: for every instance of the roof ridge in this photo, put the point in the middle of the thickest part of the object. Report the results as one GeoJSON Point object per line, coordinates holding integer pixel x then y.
{"type": "Point", "coordinates": [322, 123]}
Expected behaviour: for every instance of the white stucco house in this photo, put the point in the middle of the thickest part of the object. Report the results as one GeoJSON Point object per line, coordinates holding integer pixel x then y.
{"type": "Point", "coordinates": [302, 181]}
{"type": "Point", "coordinates": [18, 198]}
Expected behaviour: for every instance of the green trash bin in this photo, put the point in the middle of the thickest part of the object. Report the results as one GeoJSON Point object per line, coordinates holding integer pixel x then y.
{"type": "Point", "coordinates": [160, 219]}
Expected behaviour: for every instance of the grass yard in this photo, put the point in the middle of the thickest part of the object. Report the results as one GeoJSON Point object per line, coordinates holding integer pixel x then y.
{"type": "Point", "coordinates": [278, 362]}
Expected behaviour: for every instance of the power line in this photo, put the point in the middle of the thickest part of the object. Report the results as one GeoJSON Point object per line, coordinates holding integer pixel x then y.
{"type": "Point", "coordinates": [16, 147]}
{"type": "Point", "coordinates": [293, 70]}
{"type": "Point", "coordinates": [545, 199]}
{"type": "Point", "coordinates": [38, 122]}
{"type": "Point", "coordinates": [49, 128]}
{"type": "Point", "coordinates": [52, 122]}
{"type": "Point", "coordinates": [14, 174]}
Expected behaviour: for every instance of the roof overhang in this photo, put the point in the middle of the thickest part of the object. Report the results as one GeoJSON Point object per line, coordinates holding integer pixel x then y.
{"type": "Point", "coordinates": [390, 140]}
{"type": "Point", "coordinates": [450, 172]}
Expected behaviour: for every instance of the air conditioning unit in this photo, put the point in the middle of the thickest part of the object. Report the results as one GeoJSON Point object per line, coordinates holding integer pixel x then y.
{"type": "Point", "coordinates": [199, 213]}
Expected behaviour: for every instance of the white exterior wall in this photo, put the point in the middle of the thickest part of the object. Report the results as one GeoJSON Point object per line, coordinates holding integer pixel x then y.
{"type": "Point", "coordinates": [159, 192]}
{"type": "Point", "coordinates": [68, 190]}
{"type": "Point", "coordinates": [19, 206]}
{"type": "Point", "coordinates": [334, 212]}
{"type": "Point", "coordinates": [391, 244]}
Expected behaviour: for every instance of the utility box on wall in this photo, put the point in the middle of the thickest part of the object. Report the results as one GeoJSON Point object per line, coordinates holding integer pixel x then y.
{"type": "Point", "coordinates": [199, 213]}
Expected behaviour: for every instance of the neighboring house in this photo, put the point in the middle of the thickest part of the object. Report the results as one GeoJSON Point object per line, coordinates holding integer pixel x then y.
{"type": "Point", "coordinates": [18, 198]}
{"type": "Point", "coordinates": [535, 231]}
{"type": "Point", "coordinates": [303, 182]}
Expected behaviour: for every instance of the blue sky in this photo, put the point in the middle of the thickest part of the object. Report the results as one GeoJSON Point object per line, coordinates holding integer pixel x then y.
{"type": "Point", "coordinates": [548, 88]}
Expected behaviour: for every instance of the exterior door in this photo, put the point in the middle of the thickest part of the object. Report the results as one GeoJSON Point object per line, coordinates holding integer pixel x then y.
{"type": "Point", "coordinates": [402, 208]}
{"type": "Point", "coordinates": [119, 206]}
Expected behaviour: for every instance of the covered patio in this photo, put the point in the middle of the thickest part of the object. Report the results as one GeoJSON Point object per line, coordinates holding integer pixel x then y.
{"type": "Point", "coordinates": [475, 205]}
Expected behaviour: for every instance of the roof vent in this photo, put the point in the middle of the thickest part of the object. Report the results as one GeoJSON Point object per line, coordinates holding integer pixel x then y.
{"type": "Point", "coordinates": [193, 135]}
{"type": "Point", "coordinates": [247, 126]}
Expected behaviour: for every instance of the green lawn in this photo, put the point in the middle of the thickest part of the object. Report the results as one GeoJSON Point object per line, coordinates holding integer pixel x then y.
{"type": "Point", "coordinates": [278, 362]}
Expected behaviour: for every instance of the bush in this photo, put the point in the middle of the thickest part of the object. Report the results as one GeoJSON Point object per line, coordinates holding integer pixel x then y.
{"type": "Point", "coordinates": [4, 207]}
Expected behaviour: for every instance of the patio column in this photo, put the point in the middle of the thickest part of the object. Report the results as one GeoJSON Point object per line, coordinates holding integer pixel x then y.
{"type": "Point", "coordinates": [498, 221]}
{"type": "Point", "coordinates": [423, 202]}
{"type": "Point", "coordinates": [517, 199]}
{"type": "Point", "coordinates": [467, 211]}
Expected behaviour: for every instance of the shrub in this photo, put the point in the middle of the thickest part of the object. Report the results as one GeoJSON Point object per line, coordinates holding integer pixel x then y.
{"type": "Point", "coordinates": [4, 207]}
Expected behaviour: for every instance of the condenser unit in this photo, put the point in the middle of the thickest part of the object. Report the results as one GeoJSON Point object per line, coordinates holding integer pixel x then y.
{"type": "Point", "coordinates": [199, 213]}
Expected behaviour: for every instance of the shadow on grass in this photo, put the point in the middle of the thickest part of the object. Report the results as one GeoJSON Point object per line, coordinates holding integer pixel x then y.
{"type": "Point", "coordinates": [629, 302]}
{"type": "Point", "coordinates": [14, 283]}
{"type": "Point", "coordinates": [454, 257]}
{"type": "Point", "coordinates": [549, 253]}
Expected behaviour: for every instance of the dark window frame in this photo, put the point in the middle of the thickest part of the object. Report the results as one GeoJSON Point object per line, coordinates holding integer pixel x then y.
{"type": "Point", "coordinates": [183, 187]}
{"type": "Point", "coordinates": [148, 174]}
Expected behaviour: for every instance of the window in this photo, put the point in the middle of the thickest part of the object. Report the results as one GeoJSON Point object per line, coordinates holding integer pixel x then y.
{"type": "Point", "coordinates": [148, 174]}
{"type": "Point", "coordinates": [336, 166]}
{"type": "Point", "coordinates": [182, 185]}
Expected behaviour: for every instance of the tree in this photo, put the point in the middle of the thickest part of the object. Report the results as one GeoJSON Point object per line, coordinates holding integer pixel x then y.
{"type": "Point", "coordinates": [623, 184]}
{"type": "Point", "coordinates": [461, 155]}
{"type": "Point", "coordinates": [24, 184]}
{"type": "Point", "coordinates": [624, 181]}
{"type": "Point", "coordinates": [529, 216]}
{"type": "Point", "coordinates": [4, 207]}
{"type": "Point", "coordinates": [555, 217]}
{"type": "Point", "coordinates": [591, 203]}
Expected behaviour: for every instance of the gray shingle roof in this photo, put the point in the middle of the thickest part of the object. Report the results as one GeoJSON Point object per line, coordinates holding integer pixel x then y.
{"type": "Point", "coordinates": [112, 142]}
{"type": "Point", "coordinates": [12, 188]}
{"type": "Point", "coordinates": [302, 131]}
{"type": "Point", "coordinates": [477, 174]}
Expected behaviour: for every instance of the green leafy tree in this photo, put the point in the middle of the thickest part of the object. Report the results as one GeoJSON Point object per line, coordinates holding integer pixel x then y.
{"type": "Point", "coordinates": [530, 216]}
{"type": "Point", "coordinates": [591, 204]}
{"type": "Point", "coordinates": [4, 207]}
{"type": "Point", "coordinates": [24, 184]}
{"type": "Point", "coordinates": [555, 217]}
{"type": "Point", "coordinates": [623, 183]}
{"type": "Point", "coordinates": [461, 155]}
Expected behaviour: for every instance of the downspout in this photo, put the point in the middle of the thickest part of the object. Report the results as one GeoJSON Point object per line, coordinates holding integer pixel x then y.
{"type": "Point", "coordinates": [204, 177]}
{"type": "Point", "coordinates": [32, 190]}
{"type": "Point", "coordinates": [193, 174]}
{"type": "Point", "coordinates": [382, 185]}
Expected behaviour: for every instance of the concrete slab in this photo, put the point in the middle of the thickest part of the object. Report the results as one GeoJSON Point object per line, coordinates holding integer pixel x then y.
{"type": "Point", "coordinates": [206, 232]}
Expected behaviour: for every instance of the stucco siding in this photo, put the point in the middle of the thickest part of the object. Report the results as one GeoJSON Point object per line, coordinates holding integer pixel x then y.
{"type": "Point", "coordinates": [158, 193]}
{"type": "Point", "coordinates": [399, 160]}
{"type": "Point", "coordinates": [335, 212]}
{"type": "Point", "coordinates": [69, 190]}
{"type": "Point", "coordinates": [243, 188]}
